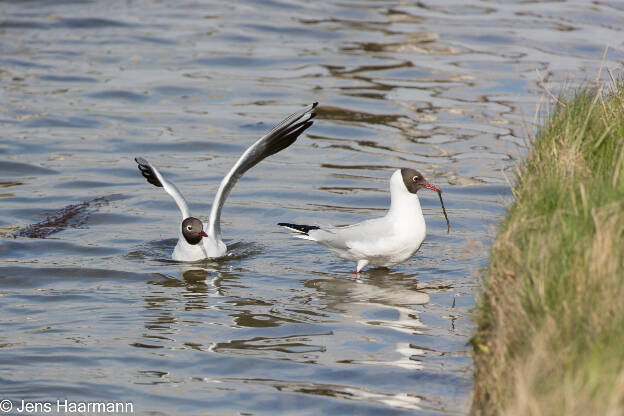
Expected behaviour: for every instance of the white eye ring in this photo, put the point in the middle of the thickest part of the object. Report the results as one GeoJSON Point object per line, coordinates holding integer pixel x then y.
{"type": "Point", "coordinates": [415, 178]}
{"type": "Point", "coordinates": [189, 228]}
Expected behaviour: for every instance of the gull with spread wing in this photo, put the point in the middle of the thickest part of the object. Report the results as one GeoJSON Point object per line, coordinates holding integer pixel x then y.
{"type": "Point", "coordinates": [197, 241]}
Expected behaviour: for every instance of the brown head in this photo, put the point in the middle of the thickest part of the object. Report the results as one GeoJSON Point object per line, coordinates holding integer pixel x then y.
{"type": "Point", "coordinates": [414, 180]}
{"type": "Point", "coordinates": [193, 230]}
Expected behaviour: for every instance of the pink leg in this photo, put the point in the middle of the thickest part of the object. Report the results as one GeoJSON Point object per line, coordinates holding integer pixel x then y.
{"type": "Point", "coordinates": [360, 264]}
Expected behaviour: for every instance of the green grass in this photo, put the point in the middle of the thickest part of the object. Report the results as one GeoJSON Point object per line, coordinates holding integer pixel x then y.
{"type": "Point", "coordinates": [550, 337]}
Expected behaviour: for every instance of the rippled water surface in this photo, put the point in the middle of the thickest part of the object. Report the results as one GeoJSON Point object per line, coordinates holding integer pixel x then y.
{"type": "Point", "coordinates": [92, 307]}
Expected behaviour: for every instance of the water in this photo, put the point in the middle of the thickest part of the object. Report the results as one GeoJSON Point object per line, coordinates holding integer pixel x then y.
{"type": "Point", "coordinates": [93, 310]}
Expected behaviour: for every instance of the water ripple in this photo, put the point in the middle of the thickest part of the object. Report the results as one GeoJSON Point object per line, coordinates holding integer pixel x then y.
{"type": "Point", "coordinates": [279, 325]}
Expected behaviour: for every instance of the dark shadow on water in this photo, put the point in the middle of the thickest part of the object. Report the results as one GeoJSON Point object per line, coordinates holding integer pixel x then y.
{"type": "Point", "coordinates": [70, 216]}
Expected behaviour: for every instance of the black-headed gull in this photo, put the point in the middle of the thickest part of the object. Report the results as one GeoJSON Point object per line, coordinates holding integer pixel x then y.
{"type": "Point", "coordinates": [379, 242]}
{"type": "Point", "coordinates": [197, 242]}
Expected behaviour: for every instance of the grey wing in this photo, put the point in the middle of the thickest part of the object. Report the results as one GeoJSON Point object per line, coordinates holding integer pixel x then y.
{"type": "Point", "coordinates": [155, 178]}
{"type": "Point", "coordinates": [282, 136]}
{"type": "Point", "coordinates": [347, 237]}
{"type": "Point", "coordinates": [371, 237]}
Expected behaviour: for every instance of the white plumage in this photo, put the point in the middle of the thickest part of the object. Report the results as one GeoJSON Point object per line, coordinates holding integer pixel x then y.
{"type": "Point", "coordinates": [379, 242]}
{"type": "Point", "coordinates": [198, 242]}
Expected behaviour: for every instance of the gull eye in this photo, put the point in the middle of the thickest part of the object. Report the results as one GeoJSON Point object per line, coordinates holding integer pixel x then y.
{"type": "Point", "coordinates": [189, 228]}
{"type": "Point", "coordinates": [415, 178]}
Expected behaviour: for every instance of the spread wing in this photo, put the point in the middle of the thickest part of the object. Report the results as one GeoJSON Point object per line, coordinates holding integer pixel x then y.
{"type": "Point", "coordinates": [155, 178]}
{"type": "Point", "coordinates": [282, 136]}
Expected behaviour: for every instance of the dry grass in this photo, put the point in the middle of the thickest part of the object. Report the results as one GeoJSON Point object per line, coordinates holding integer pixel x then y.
{"type": "Point", "coordinates": [550, 337]}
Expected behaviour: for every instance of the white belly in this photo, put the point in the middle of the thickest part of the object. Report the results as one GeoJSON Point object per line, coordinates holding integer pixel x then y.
{"type": "Point", "coordinates": [394, 244]}
{"type": "Point", "coordinates": [206, 249]}
{"type": "Point", "coordinates": [388, 251]}
{"type": "Point", "coordinates": [384, 247]}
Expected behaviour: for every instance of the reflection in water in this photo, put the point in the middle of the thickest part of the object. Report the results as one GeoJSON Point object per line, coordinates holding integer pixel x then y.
{"type": "Point", "coordinates": [379, 285]}
{"type": "Point", "coordinates": [298, 348]}
{"type": "Point", "coordinates": [198, 287]}
{"type": "Point", "coordinates": [380, 299]}
{"type": "Point", "coordinates": [357, 394]}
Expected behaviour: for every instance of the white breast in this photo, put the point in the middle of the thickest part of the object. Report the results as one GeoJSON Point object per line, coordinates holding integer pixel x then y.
{"type": "Point", "coordinates": [395, 237]}
{"type": "Point", "coordinates": [207, 248]}
{"type": "Point", "coordinates": [184, 251]}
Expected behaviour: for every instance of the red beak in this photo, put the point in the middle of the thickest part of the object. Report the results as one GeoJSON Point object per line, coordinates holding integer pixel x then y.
{"type": "Point", "coordinates": [203, 234]}
{"type": "Point", "coordinates": [432, 187]}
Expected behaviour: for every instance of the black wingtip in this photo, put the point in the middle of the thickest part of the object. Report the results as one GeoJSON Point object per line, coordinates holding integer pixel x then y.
{"type": "Point", "coordinates": [303, 229]}
{"type": "Point", "coordinates": [147, 171]}
{"type": "Point", "coordinates": [288, 137]}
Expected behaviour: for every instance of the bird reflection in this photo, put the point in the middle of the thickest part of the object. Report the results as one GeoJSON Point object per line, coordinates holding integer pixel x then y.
{"type": "Point", "coordinates": [383, 299]}
{"type": "Point", "coordinates": [195, 286]}
{"type": "Point", "coordinates": [325, 320]}
{"type": "Point", "coordinates": [377, 286]}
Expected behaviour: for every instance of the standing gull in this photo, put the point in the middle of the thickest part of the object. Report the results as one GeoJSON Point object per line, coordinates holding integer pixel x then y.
{"type": "Point", "coordinates": [197, 241]}
{"type": "Point", "coordinates": [379, 242]}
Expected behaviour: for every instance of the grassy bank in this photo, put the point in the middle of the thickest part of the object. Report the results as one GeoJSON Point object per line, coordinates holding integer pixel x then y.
{"type": "Point", "coordinates": [550, 338]}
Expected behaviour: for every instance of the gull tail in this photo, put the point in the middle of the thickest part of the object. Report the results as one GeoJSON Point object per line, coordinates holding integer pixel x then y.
{"type": "Point", "coordinates": [301, 231]}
